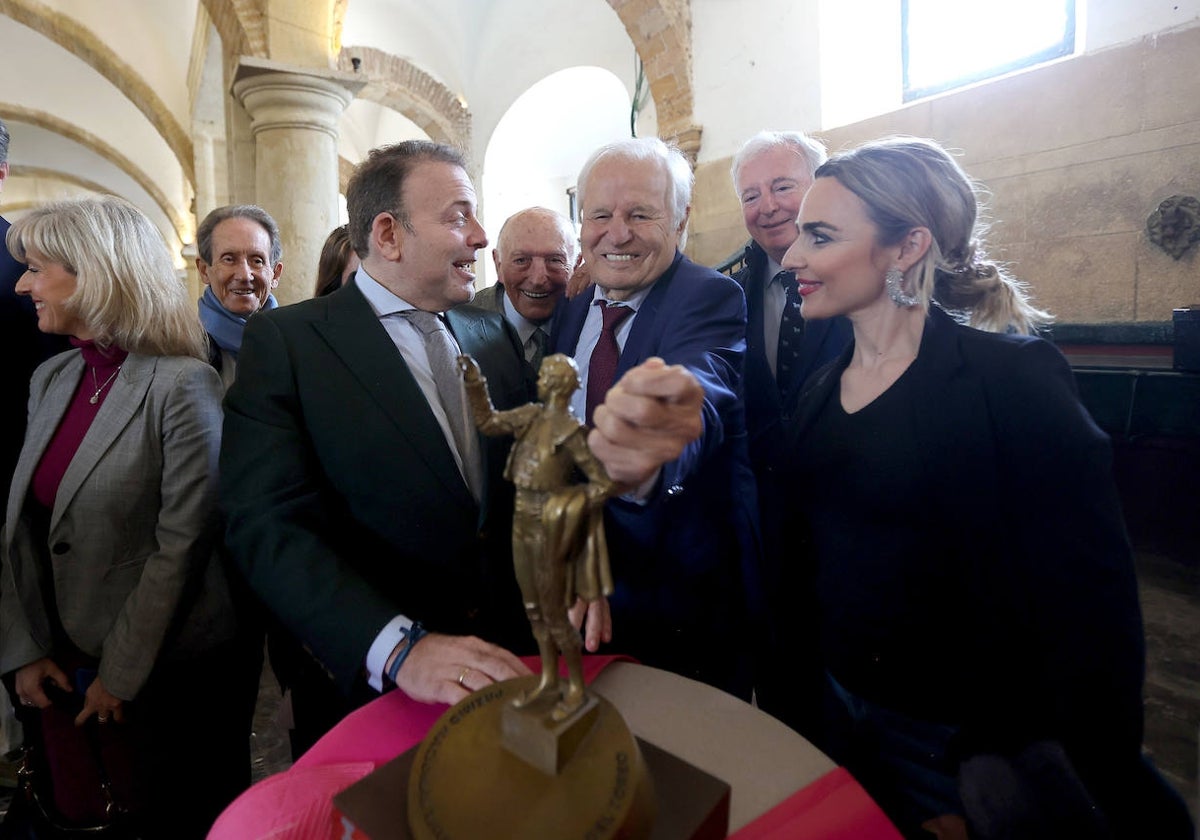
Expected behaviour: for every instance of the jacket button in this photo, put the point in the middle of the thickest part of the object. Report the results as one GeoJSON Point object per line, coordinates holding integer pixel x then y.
{"type": "Point", "coordinates": [674, 489]}
{"type": "Point", "coordinates": [61, 548]}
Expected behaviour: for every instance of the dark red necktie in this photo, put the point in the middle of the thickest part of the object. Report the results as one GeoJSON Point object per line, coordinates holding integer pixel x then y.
{"type": "Point", "coordinates": [602, 369]}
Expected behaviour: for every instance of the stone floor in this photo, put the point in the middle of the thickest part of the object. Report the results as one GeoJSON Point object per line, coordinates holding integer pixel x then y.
{"type": "Point", "coordinates": [1171, 610]}
{"type": "Point", "coordinates": [269, 748]}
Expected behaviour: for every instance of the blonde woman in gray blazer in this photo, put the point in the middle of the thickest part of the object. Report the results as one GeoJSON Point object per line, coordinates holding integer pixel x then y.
{"type": "Point", "coordinates": [113, 603]}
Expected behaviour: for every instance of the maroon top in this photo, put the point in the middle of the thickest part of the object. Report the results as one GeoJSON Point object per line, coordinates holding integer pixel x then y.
{"type": "Point", "coordinates": [100, 372]}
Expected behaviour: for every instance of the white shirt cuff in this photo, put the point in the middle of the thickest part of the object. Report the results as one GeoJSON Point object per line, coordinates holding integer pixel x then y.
{"type": "Point", "coordinates": [641, 495]}
{"type": "Point", "coordinates": [382, 648]}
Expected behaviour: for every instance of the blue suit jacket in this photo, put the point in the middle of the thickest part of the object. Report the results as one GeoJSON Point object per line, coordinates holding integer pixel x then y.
{"type": "Point", "coordinates": [686, 563]}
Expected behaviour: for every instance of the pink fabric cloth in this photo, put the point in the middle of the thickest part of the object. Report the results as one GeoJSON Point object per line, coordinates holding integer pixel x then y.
{"type": "Point", "coordinates": [834, 807]}
{"type": "Point", "coordinates": [297, 804]}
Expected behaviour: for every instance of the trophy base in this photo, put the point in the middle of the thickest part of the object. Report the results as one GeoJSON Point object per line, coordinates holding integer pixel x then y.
{"type": "Point", "coordinates": [531, 733]}
{"type": "Point", "coordinates": [465, 783]}
{"type": "Point", "coordinates": [497, 794]}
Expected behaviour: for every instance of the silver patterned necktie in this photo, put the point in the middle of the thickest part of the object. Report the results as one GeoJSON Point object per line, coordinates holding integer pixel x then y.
{"type": "Point", "coordinates": [442, 351]}
{"type": "Point", "coordinates": [536, 348]}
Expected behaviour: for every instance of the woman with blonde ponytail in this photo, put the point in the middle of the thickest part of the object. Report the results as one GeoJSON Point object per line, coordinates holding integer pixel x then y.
{"type": "Point", "coordinates": [980, 626]}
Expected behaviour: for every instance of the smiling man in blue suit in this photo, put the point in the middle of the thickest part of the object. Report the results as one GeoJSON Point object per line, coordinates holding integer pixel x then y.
{"type": "Point", "coordinates": [683, 545]}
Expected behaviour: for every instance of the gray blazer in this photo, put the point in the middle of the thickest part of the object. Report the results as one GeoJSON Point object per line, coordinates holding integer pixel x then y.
{"type": "Point", "coordinates": [491, 298]}
{"type": "Point", "coordinates": [132, 534]}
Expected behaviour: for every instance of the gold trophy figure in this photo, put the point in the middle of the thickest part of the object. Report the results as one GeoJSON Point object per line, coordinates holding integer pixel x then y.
{"type": "Point", "coordinates": [559, 552]}
{"type": "Point", "coordinates": [534, 757]}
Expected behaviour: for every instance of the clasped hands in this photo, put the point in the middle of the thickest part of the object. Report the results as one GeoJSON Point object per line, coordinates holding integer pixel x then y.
{"type": "Point", "coordinates": [97, 700]}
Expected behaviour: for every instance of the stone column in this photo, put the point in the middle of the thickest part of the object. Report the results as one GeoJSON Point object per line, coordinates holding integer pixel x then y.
{"type": "Point", "coordinates": [294, 115]}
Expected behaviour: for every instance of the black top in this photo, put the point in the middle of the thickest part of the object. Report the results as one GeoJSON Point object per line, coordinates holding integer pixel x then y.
{"type": "Point", "coordinates": [887, 584]}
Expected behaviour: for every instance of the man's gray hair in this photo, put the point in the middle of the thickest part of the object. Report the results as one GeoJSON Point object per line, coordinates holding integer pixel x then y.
{"type": "Point", "coordinates": [810, 150]}
{"type": "Point", "coordinates": [679, 172]}
{"type": "Point", "coordinates": [252, 212]}
{"type": "Point", "coordinates": [3, 142]}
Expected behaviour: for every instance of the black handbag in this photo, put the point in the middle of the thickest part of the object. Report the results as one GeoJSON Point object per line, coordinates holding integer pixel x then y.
{"type": "Point", "coordinates": [31, 814]}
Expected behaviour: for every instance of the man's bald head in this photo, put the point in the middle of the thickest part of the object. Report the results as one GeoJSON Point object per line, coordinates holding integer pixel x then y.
{"type": "Point", "coordinates": [534, 255]}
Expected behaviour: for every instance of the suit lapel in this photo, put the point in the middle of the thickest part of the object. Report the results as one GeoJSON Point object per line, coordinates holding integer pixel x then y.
{"type": "Point", "coordinates": [639, 345]}
{"type": "Point", "coordinates": [354, 334]}
{"type": "Point", "coordinates": [815, 333]}
{"type": "Point", "coordinates": [475, 339]}
{"type": "Point", "coordinates": [568, 322]}
{"type": "Point", "coordinates": [53, 406]}
{"type": "Point", "coordinates": [123, 401]}
{"type": "Point", "coordinates": [815, 396]}
{"type": "Point", "coordinates": [761, 388]}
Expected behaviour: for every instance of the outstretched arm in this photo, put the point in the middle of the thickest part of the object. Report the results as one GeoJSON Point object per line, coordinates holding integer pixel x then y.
{"type": "Point", "coordinates": [647, 420]}
{"type": "Point", "coordinates": [488, 420]}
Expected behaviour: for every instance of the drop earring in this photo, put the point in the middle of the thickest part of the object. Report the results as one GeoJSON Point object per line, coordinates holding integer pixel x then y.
{"type": "Point", "coordinates": [894, 280]}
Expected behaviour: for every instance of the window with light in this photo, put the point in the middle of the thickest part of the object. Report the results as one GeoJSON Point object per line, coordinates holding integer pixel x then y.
{"type": "Point", "coordinates": [948, 44]}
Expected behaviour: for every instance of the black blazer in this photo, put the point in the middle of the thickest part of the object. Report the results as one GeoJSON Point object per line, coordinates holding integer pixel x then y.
{"type": "Point", "coordinates": [1024, 477]}
{"type": "Point", "coordinates": [344, 502]}
{"type": "Point", "coordinates": [788, 584]}
{"type": "Point", "coordinates": [23, 347]}
{"type": "Point", "coordinates": [824, 340]}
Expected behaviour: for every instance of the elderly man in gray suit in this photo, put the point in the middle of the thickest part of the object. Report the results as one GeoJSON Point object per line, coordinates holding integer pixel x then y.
{"type": "Point", "coordinates": [535, 255]}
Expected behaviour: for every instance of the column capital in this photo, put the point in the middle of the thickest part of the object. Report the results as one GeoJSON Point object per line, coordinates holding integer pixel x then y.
{"type": "Point", "coordinates": [278, 95]}
{"type": "Point", "coordinates": [687, 139]}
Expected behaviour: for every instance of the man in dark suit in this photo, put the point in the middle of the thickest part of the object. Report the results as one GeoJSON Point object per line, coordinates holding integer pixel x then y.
{"type": "Point", "coordinates": [373, 527]}
{"type": "Point", "coordinates": [683, 545]}
{"type": "Point", "coordinates": [771, 174]}
{"type": "Point", "coordinates": [23, 346]}
{"type": "Point", "coordinates": [534, 256]}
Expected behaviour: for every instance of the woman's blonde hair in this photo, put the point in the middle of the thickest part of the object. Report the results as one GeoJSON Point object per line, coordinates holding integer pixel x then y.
{"type": "Point", "coordinates": [909, 182]}
{"type": "Point", "coordinates": [126, 289]}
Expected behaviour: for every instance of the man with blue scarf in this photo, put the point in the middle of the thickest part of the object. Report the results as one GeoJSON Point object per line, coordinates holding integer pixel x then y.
{"type": "Point", "coordinates": [239, 262]}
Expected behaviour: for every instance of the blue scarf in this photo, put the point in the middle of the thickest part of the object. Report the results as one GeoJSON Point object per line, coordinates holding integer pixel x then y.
{"type": "Point", "coordinates": [225, 327]}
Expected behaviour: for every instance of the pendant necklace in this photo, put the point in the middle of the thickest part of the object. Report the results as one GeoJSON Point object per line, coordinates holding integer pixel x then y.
{"type": "Point", "coordinates": [96, 396]}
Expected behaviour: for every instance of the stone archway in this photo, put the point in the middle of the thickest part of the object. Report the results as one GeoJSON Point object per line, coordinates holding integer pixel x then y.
{"type": "Point", "coordinates": [83, 43]}
{"type": "Point", "coordinates": [661, 31]}
{"type": "Point", "coordinates": [399, 84]}
{"type": "Point", "coordinates": [184, 228]}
